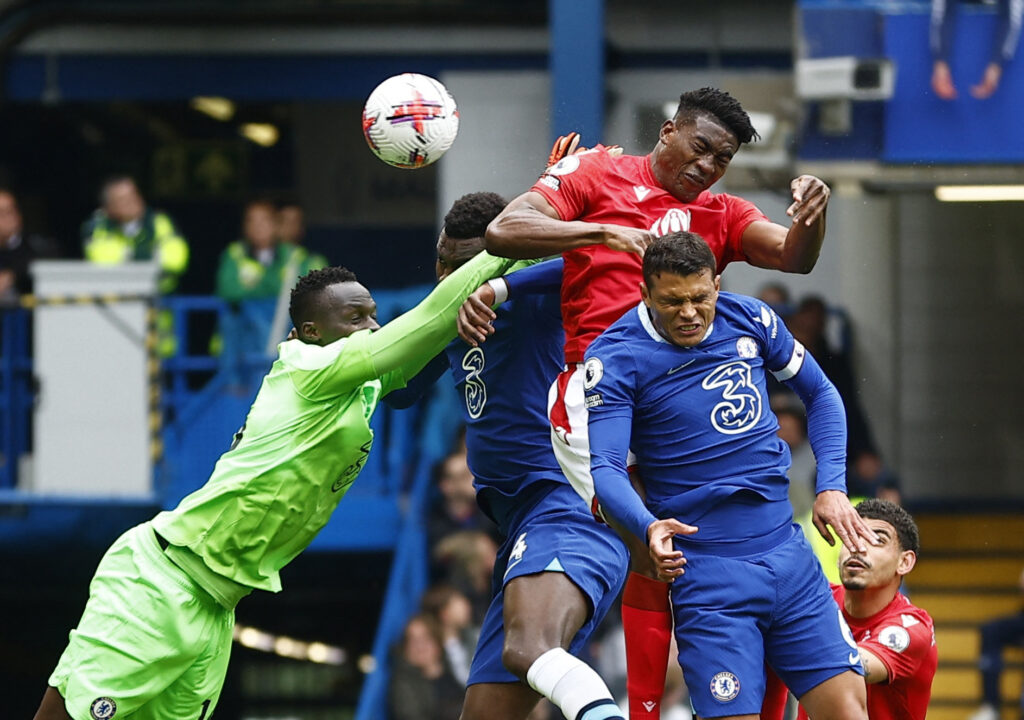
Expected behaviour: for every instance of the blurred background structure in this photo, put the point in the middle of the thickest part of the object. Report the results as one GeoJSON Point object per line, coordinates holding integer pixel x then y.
{"type": "Point", "coordinates": [114, 406]}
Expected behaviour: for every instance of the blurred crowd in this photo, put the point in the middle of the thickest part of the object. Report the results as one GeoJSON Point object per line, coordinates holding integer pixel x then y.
{"type": "Point", "coordinates": [254, 273]}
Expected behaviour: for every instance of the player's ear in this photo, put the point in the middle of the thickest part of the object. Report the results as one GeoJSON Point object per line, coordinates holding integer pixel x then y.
{"type": "Point", "coordinates": [718, 283]}
{"type": "Point", "coordinates": [668, 128]}
{"type": "Point", "coordinates": [645, 293]}
{"type": "Point", "coordinates": [908, 559]}
{"type": "Point", "coordinates": [308, 332]}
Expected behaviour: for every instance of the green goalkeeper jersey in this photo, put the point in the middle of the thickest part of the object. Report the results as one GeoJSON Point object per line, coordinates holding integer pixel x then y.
{"type": "Point", "coordinates": [306, 438]}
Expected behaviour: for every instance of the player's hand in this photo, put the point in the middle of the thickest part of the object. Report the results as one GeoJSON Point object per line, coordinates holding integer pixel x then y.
{"type": "Point", "coordinates": [810, 197]}
{"type": "Point", "coordinates": [668, 562]}
{"type": "Point", "coordinates": [475, 316]}
{"type": "Point", "coordinates": [832, 507]}
{"type": "Point", "coordinates": [625, 239]}
{"type": "Point", "coordinates": [565, 145]}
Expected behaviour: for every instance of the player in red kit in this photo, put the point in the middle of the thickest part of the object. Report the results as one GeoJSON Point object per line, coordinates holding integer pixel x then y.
{"type": "Point", "coordinates": [600, 211]}
{"type": "Point", "coordinates": [895, 638]}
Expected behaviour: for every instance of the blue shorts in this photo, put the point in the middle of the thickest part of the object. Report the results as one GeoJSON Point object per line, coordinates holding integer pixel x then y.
{"type": "Point", "coordinates": [734, 613]}
{"type": "Point", "coordinates": [555, 534]}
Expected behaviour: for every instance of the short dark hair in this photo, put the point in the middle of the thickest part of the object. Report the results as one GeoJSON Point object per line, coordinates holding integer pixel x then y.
{"type": "Point", "coordinates": [890, 512]}
{"type": "Point", "coordinates": [722, 106]}
{"type": "Point", "coordinates": [470, 215]}
{"type": "Point", "coordinates": [682, 253]}
{"type": "Point", "coordinates": [305, 295]}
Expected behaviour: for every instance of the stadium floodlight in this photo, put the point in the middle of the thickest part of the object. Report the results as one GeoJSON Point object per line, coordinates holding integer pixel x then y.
{"type": "Point", "coordinates": [980, 193]}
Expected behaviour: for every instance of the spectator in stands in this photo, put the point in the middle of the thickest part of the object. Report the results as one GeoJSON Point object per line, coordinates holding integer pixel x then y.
{"type": "Point", "coordinates": [467, 559]}
{"type": "Point", "coordinates": [251, 276]}
{"type": "Point", "coordinates": [454, 508]}
{"type": "Point", "coordinates": [291, 232]}
{"type": "Point", "coordinates": [776, 296]}
{"type": "Point", "coordinates": [997, 635]}
{"type": "Point", "coordinates": [454, 615]}
{"type": "Point", "coordinates": [808, 323]}
{"type": "Point", "coordinates": [1003, 50]}
{"type": "Point", "coordinates": [124, 229]}
{"type": "Point", "coordinates": [252, 268]}
{"type": "Point", "coordinates": [422, 686]}
{"type": "Point", "coordinates": [867, 476]}
{"type": "Point", "coordinates": [18, 249]}
{"type": "Point", "coordinates": [803, 469]}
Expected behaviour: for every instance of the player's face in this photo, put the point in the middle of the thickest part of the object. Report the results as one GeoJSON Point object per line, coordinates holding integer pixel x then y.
{"type": "Point", "coordinates": [692, 156]}
{"type": "Point", "coordinates": [682, 307]}
{"type": "Point", "coordinates": [345, 308]}
{"type": "Point", "coordinates": [881, 565]}
{"type": "Point", "coordinates": [452, 253]}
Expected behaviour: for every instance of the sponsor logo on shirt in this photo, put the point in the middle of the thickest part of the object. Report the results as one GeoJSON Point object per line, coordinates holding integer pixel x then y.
{"type": "Point", "coordinates": [741, 404]}
{"type": "Point", "coordinates": [675, 220]}
{"type": "Point", "coordinates": [594, 400]}
{"type": "Point", "coordinates": [725, 687]}
{"type": "Point", "coordinates": [552, 182]}
{"type": "Point", "coordinates": [641, 191]}
{"type": "Point", "coordinates": [103, 708]}
{"type": "Point", "coordinates": [649, 705]}
{"type": "Point", "coordinates": [895, 638]}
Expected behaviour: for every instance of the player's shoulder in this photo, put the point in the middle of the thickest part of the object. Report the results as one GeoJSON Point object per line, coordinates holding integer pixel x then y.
{"type": "Point", "coordinates": [297, 355]}
{"type": "Point", "coordinates": [908, 613]}
{"type": "Point", "coordinates": [624, 333]}
{"type": "Point", "coordinates": [744, 310]}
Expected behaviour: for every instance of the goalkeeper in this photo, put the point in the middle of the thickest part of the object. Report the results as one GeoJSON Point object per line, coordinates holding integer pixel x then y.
{"type": "Point", "coordinates": [156, 633]}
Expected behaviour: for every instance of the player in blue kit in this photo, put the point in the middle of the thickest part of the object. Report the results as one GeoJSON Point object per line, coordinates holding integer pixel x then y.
{"type": "Point", "coordinates": [558, 572]}
{"type": "Point", "coordinates": [680, 380]}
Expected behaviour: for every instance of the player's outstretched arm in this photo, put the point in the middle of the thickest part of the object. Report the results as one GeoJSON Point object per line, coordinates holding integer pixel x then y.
{"type": "Point", "coordinates": [529, 227]}
{"type": "Point", "coordinates": [796, 248]}
{"type": "Point", "coordinates": [407, 343]}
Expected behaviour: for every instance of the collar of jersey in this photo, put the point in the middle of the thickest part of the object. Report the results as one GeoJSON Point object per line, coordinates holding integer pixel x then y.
{"type": "Point", "coordinates": [645, 320]}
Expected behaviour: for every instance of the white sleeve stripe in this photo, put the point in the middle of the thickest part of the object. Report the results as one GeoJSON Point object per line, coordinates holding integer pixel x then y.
{"type": "Point", "coordinates": [796, 361]}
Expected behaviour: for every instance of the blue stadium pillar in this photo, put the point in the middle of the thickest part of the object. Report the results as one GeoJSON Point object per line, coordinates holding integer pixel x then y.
{"type": "Point", "coordinates": [576, 56]}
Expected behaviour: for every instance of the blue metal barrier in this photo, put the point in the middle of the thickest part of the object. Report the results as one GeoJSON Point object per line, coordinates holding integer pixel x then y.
{"type": "Point", "coordinates": [15, 392]}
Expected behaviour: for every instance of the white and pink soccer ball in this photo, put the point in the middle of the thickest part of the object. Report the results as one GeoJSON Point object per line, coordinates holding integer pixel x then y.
{"type": "Point", "coordinates": [410, 120]}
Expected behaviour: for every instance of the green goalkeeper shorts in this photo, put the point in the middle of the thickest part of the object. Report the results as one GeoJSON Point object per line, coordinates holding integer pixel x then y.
{"type": "Point", "coordinates": [150, 644]}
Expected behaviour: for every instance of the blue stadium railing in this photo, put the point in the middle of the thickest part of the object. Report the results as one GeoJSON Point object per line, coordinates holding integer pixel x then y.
{"type": "Point", "coordinates": [204, 402]}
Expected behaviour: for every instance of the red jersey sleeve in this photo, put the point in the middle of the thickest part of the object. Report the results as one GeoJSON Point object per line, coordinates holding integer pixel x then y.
{"type": "Point", "coordinates": [568, 183]}
{"type": "Point", "coordinates": [902, 643]}
{"type": "Point", "coordinates": [739, 214]}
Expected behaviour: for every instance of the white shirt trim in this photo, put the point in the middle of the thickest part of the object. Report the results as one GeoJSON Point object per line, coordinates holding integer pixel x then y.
{"type": "Point", "coordinates": [796, 361]}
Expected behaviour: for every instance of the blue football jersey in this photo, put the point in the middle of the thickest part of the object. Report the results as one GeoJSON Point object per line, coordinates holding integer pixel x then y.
{"type": "Point", "coordinates": [503, 384]}
{"type": "Point", "coordinates": [699, 419]}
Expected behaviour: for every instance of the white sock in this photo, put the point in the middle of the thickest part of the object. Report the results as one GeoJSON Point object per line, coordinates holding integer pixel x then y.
{"type": "Point", "coordinates": [573, 686]}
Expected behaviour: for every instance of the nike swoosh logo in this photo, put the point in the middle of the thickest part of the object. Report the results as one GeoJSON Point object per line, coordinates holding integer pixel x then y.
{"type": "Point", "coordinates": [680, 367]}
{"type": "Point", "coordinates": [854, 658]}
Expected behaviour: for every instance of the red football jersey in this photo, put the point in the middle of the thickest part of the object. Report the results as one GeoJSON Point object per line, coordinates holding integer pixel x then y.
{"type": "Point", "coordinates": [902, 636]}
{"type": "Point", "coordinates": [599, 284]}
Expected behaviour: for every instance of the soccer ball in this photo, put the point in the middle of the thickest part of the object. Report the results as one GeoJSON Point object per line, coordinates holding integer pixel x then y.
{"type": "Point", "coordinates": [410, 120]}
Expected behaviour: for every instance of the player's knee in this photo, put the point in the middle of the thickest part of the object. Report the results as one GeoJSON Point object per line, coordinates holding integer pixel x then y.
{"type": "Point", "coordinates": [517, 659]}
{"type": "Point", "coordinates": [522, 649]}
